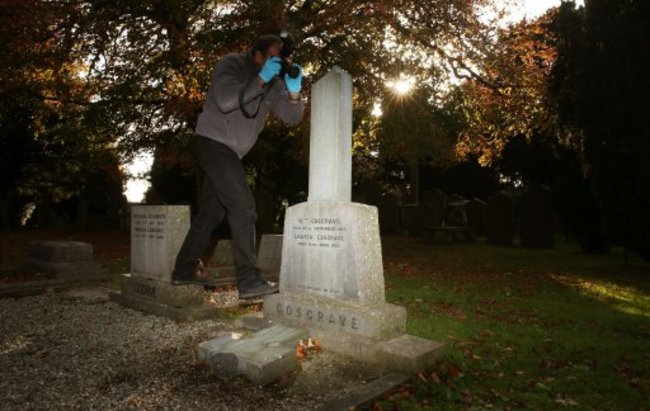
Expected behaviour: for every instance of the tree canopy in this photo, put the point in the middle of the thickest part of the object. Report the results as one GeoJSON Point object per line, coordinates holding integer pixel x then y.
{"type": "Point", "coordinates": [83, 83]}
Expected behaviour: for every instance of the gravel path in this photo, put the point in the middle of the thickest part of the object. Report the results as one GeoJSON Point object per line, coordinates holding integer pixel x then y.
{"type": "Point", "coordinates": [77, 350]}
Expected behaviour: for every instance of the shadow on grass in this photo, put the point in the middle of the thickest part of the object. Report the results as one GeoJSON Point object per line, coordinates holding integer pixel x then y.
{"type": "Point", "coordinates": [524, 328]}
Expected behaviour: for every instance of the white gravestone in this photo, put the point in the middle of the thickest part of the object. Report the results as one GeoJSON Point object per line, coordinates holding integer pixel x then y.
{"type": "Point", "coordinates": [331, 279]}
{"type": "Point", "coordinates": [331, 246]}
{"type": "Point", "coordinates": [157, 233]}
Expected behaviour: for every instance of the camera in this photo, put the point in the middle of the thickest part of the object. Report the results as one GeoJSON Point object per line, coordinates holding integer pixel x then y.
{"type": "Point", "coordinates": [285, 53]}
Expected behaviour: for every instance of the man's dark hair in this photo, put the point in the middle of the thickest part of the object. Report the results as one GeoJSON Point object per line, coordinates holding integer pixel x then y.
{"type": "Point", "coordinates": [263, 43]}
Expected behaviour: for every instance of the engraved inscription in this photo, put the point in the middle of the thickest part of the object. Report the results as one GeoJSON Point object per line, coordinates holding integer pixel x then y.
{"type": "Point", "coordinates": [321, 232]}
{"type": "Point", "coordinates": [148, 225]}
{"type": "Point", "coordinates": [145, 290]}
{"type": "Point", "coordinates": [316, 316]}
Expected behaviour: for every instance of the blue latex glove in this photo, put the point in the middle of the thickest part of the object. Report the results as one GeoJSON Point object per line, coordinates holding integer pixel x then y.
{"type": "Point", "coordinates": [271, 69]}
{"type": "Point", "coordinates": [294, 84]}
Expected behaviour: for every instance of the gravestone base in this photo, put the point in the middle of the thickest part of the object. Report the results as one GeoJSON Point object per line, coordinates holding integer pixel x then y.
{"type": "Point", "coordinates": [228, 275]}
{"type": "Point", "coordinates": [177, 302]}
{"type": "Point", "coordinates": [374, 334]}
{"type": "Point", "coordinates": [380, 321]}
{"type": "Point", "coordinates": [65, 259]}
{"type": "Point", "coordinates": [409, 354]}
{"type": "Point", "coordinates": [184, 314]}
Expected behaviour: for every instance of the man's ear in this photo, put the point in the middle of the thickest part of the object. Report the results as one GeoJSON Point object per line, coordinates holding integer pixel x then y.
{"type": "Point", "coordinates": [258, 57]}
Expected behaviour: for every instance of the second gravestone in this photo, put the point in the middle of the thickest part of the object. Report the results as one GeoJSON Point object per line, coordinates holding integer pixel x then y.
{"type": "Point", "coordinates": [157, 233]}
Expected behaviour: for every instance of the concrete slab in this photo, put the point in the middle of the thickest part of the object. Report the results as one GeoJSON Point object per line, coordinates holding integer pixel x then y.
{"type": "Point", "coordinates": [409, 354]}
{"type": "Point", "coordinates": [365, 393]}
{"type": "Point", "coordinates": [60, 251]}
{"type": "Point", "coordinates": [254, 322]}
{"type": "Point", "coordinates": [185, 314]}
{"type": "Point", "coordinates": [65, 259]}
{"type": "Point", "coordinates": [262, 357]}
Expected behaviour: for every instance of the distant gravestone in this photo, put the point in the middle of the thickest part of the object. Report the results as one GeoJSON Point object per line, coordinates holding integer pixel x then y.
{"type": "Point", "coordinates": [157, 233]}
{"type": "Point", "coordinates": [437, 202]}
{"type": "Point", "coordinates": [367, 192]}
{"type": "Point", "coordinates": [221, 265]}
{"type": "Point", "coordinates": [537, 218]}
{"type": "Point", "coordinates": [500, 219]}
{"type": "Point", "coordinates": [455, 214]}
{"type": "Point", "coordinates": [410, 219]}
{"type": "Point", "coordinates": [415, 218]}
{"type": "Point", "coordinates": [388, 209]}
{"type": "Point", "coordinates": [265, 211]}
{"type": "Point", "coordinates": [269, 256]}
{"type": "Point", "coordinates": [223, 254]}
{"type": "Point", "coordinates": [64, 259]}
{"type": "Point", "coordinates": [476, 211]}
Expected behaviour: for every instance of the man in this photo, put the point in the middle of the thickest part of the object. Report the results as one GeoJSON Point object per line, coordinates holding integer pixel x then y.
{"type": "Point", "coordinates": [245, 88]}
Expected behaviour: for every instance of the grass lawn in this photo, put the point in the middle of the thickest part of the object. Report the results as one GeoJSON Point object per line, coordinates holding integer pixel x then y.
{"type": "Point", "coordinates": [537, 329]}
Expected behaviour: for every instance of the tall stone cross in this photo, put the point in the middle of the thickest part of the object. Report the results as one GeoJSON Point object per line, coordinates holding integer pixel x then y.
{"type": "Point", "coordinates": [332, 246]}
{"type": "Point", "coordinates": [330, 161]}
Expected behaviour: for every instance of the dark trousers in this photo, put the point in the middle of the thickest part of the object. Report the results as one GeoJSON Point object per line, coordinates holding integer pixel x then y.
{"type": "Point", "coordinates": [225, 193]}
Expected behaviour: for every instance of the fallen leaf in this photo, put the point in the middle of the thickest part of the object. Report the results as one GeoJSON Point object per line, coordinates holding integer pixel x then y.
{"type": "Point", "coordinates": [313, 344]}
{"type": "Point", "coordinates": [485, 333]}
{"type": "Point", "coordinates": [453, 371]}
{"type": "Point", "coordinates": [301, 350]}
{"type": "Point", "coordinates": [467, 396]}
{"type": "Point", "coordinates": [567, 402]}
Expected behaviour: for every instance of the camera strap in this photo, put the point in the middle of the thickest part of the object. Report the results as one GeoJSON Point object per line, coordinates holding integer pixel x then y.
{"type": "Point", "coordinates": [242, 103]}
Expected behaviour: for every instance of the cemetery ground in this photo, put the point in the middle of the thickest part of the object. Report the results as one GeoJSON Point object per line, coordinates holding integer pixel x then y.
{"type": "Point", "coordinates": [536, 329]}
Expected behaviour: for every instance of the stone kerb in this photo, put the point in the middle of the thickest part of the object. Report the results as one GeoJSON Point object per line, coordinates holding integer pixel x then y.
{"type": "Point", "coordinates": [157, 233]}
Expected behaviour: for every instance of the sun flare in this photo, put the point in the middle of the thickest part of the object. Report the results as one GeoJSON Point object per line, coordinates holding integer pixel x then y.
{"type": "Point", "coordinates": [401, 86]}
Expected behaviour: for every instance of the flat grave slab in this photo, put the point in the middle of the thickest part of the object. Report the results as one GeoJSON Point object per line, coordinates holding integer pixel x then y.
{"type": "Point", "coordinates": [64, 259]}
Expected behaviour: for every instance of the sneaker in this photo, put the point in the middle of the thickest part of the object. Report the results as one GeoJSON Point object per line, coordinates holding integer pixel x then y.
{"type": "Point", "coordinates": [258, 289]}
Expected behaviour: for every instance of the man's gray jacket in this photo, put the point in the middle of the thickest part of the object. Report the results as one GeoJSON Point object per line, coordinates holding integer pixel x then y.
{"type": "Point", "coordinates": [221, 118]}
